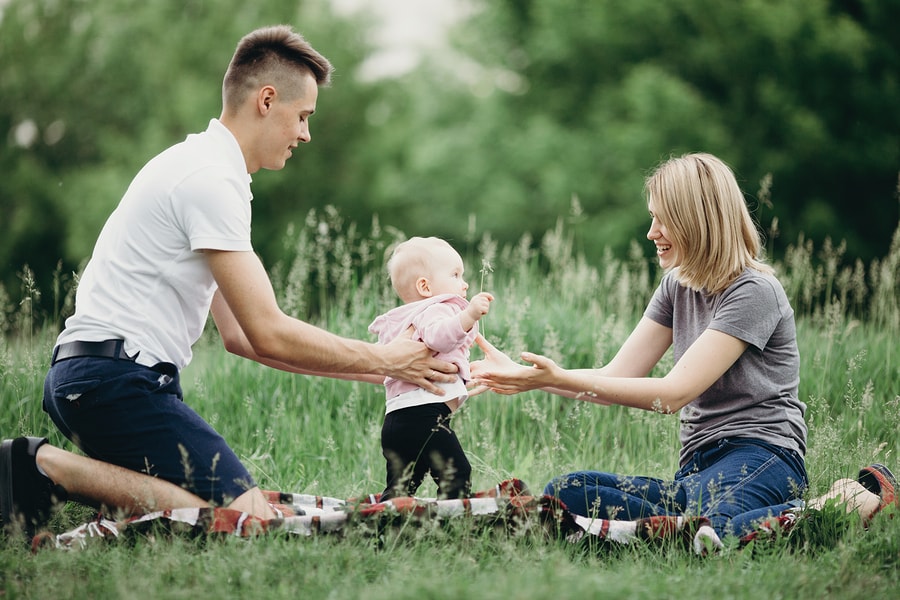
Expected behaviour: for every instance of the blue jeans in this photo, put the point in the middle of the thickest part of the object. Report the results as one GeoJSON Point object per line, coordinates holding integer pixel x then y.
{"type": "Point", "coordinates": [735, 482]}
{"type": "Point", "coordinates": [123, 413]}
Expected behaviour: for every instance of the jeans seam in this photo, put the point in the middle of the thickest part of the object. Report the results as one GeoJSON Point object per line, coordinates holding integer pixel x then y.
{"type": "Point", "coordinates": [756, 473]}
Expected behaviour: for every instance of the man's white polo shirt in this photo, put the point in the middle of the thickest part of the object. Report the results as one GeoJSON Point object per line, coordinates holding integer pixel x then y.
{"type": "Point", "coordinates": [147, 282]}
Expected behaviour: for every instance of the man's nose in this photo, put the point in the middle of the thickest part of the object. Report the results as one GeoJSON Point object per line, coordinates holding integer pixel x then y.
{"type": "Point", "coordinates": [304, 136]}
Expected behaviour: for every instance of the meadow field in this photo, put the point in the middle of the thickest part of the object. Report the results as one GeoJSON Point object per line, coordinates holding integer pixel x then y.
{"type": "Point", "coordinates": [321, 436]}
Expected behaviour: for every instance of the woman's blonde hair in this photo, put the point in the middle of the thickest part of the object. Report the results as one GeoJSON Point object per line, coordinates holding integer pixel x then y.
{"type": "Point", "coordinates": [697, 198]}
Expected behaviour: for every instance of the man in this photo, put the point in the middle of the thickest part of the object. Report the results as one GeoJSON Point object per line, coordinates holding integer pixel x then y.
{"type": "Point", "coordinates": [177, 247]}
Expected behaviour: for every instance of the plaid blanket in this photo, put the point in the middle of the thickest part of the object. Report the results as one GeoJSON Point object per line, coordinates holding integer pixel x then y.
{"type": "Point", "coordinates": [508, 505]}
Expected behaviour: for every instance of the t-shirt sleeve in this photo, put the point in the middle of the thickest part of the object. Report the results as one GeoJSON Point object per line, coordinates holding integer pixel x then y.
{"type": "Point", "coordinates": [214, 213]}
{"type": "Point", "coordinates": [749, 311]}
{"type": "Point", "coordinates": [660, 307]}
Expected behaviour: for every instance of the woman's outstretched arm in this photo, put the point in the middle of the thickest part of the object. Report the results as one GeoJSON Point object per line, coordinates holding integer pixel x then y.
{"type": "Point", "coordinates": [624, 381]}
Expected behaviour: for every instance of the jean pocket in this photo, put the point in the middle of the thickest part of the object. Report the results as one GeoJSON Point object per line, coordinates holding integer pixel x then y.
{"type": "Point", "coordinates": [76, 391]}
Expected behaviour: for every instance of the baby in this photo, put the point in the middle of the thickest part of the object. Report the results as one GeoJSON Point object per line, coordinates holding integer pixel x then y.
{"type": "Point", "coordinates": [427, 274]}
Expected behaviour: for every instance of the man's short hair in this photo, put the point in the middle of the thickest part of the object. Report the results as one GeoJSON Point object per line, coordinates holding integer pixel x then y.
{"type": "Point", "coordinates": [275, 56]}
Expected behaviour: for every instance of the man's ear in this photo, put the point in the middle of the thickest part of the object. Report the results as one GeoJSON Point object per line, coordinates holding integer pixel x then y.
{"type": "Point", "coordinates": [423, 287]}
{"type": "Point", "coordinates": [265, 98]}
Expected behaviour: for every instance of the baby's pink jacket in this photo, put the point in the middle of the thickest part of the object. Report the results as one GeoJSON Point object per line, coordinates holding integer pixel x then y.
{"type": "Point", "coordinates": [436, 322]}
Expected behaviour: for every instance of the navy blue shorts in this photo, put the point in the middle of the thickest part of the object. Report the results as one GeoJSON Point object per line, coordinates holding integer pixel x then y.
{"type": "Point", "coordinates": [120, 412]}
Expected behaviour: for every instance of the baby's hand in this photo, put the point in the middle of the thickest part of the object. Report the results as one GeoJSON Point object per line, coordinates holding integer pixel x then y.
{"type": "Point", "coordinates": [479, 305]}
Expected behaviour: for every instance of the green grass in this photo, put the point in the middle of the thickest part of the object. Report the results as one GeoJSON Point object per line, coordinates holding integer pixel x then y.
{"type": "Point", "coordinates": [321, 436]}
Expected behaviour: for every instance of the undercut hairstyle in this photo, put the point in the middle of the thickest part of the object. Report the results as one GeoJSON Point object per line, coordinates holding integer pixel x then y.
{"type": "Point", "coordinates": [411, 260]}
{"type": "Point", "coordinates": [276, 56]}
{"type": "Point", "coordinates": [697, 198]}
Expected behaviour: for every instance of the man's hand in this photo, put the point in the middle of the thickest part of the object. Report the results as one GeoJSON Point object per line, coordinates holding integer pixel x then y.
{"type": "Point", "coordinates": [414, 362]}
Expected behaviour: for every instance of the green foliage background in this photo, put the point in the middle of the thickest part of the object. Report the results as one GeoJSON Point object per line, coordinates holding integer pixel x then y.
{"type": "Point", "coordinates": [537, 111]}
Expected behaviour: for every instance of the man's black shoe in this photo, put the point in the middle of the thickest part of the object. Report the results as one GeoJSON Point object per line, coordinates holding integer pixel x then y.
{"type": "Point", "coordinates": [27, 497]}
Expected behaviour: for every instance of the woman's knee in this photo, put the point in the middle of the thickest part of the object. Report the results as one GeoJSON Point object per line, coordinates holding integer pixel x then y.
{"type": "Point", "coordinates": [560, 483]}
{"type": "Point", "coordinates": [578, 481]}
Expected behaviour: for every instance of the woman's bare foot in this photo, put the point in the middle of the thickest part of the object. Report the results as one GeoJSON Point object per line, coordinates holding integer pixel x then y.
{"type": "Point", "coordinates": [874, 489]}
{"type": "Point", "coordinates": [852, 495]}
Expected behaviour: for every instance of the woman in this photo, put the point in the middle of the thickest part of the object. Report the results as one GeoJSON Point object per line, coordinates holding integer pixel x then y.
{"type": "Point", "coordinates": [736, 373]}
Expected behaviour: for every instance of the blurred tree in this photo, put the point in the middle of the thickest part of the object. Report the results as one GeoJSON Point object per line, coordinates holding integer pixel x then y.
{"type": "Point", "coordinates": [546, 102]}
{"type": "Point", "coordinates": [90, 93]}
{"type": "Point", "coordinates": [540, 111]}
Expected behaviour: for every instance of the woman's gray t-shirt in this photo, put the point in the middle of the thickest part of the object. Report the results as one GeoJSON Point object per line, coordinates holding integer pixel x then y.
{"type": "Point", "coordinates": [757, 395]}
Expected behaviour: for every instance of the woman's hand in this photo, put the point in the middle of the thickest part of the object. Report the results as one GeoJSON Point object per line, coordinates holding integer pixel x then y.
{"type": "Point", "coordinates": [492, 356]}
{"type": "Point", "coordinates": [473, 389]}
{"type": "Point", "coordinates": [499, 373]}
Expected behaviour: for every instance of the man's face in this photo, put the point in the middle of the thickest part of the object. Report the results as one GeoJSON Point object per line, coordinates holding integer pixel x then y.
{"type": "Point", "coordinates": [287, 125]}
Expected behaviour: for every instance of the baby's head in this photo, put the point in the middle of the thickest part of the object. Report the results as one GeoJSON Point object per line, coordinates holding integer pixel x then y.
{"type": "Point", "coordinates": [423, 267]}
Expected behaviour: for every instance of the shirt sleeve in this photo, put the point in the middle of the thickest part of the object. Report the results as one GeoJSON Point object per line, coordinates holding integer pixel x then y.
{"type": "Point", "coordinates": [214, 213]}
{"type": "Point", "coordinates": [660, 307]}
{"type": "Point", "coordinates": [748, 311]}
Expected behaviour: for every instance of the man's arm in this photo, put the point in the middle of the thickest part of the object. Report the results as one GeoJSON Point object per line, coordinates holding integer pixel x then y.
{"type": "Point", "coordinates": [252, 325]}
{"type": "Point", "coordinates": [236, 342]}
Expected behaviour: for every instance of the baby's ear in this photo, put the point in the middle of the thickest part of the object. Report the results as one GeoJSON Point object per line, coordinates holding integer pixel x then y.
{"type": "Point", "coordinates": [423, 287]}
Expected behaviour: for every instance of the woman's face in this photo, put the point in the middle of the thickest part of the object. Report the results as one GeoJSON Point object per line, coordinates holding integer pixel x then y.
{"type": "Point", "coordinates": [666, 251]}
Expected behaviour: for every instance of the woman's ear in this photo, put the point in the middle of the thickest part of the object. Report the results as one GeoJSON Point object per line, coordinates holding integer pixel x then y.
{"type": "Point", "coordinates": [423, 288]}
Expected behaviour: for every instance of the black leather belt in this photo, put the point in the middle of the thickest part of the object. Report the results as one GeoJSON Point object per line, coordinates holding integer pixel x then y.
{"type": "Point", "coordinates": [105, 349]}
